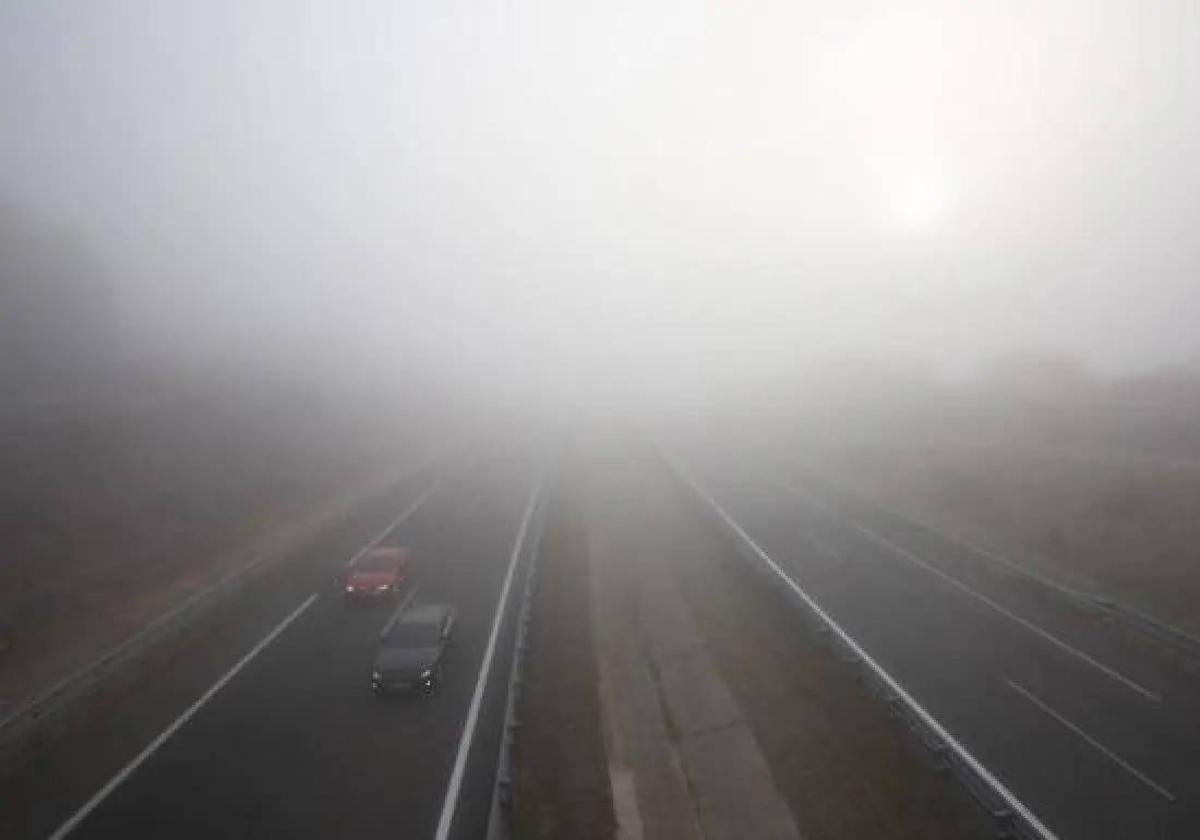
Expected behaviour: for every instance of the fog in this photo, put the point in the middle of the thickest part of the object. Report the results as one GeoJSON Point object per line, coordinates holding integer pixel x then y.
{"type": "Point", "coordinates": [690, 351]}
{"type": "Point", "coordinates": [620, 199]}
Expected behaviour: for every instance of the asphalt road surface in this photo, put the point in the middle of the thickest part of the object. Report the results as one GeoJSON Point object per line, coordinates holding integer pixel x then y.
{"type": "Point", "coordinates": [1094, 726]}
{"type": "Point", "coordinates": [293, 743]}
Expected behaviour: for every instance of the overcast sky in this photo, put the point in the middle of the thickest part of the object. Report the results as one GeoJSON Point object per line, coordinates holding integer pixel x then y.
{"type": "Point", "coordinates": [593, 190]}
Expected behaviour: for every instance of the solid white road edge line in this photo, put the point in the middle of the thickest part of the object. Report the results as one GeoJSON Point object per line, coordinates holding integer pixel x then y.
{"type": "Point", "coordinates": [450, 803]}
{"type": "Point", "coordinates": [929, 720]}
{"type": "Point", "coordinates": [1103, 750]}
{"type": "Point", "coordinates": [1152, 696]}
{"type": "Point", "coordinates": [191, 710]}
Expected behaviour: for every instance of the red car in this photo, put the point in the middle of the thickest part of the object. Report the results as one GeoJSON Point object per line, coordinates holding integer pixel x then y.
{"type": "Point", "coordinates": [379, 572]}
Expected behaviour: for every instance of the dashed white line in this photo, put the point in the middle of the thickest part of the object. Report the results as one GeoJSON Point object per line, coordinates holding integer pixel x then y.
{"type": "Point", "coordinates": [450, 803]}
{"type": "Point", "coordinates": [1152, 696]}
{"type": "Point", "coordinates": [1105, 751]}
{"type": "Point", "coordinates": [187, 715]}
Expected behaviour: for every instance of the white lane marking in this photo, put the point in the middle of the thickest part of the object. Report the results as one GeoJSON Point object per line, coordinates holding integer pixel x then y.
{"type": "Point", "coordinates": [412, 593]}
{"type": "Point", "coordinates": [450, 803]}
{"type": "Point", "coordinates": [929, 720]}
{"type": "Point", "coordinates": [393, 525]}
{"type": "Point", "coordinates": [1122, 763]}
{"type": "Point", "coordinates": [1152, 696]}
{"type": "Point", "coordinates": [191, 710]}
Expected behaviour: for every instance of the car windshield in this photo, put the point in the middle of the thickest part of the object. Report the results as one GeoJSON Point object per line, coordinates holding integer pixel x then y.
{"type": "Point", "coordinates": [411, 635]}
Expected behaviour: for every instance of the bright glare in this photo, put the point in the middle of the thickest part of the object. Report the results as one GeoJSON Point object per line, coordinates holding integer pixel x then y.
{"type": "Point", "coordinates": [923, 205]}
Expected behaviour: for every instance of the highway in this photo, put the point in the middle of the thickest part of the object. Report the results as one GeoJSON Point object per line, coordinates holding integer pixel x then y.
{"type": "Point", "coordinates": [260, 723]}
{"type": "Point", "coordinates": [1094, 726]}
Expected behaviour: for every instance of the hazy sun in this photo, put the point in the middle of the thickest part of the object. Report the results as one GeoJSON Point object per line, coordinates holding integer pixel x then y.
{"type": "Point", "coordinates": [922, 204]}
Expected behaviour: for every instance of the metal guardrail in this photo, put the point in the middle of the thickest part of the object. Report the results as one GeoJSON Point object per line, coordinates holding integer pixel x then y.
{"type": "Point", "coordinates": [1013, 817]}
{"type": "Point", "coordinates": [25, 721]}
{"type": "Point", "coordinates": [504, 784]}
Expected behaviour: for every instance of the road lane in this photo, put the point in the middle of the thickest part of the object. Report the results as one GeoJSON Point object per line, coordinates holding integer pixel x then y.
{"type": "Point", "coordinates": [959, 655]}
{"type": "Point", "coordinates": [295, 744]}
{"type": "Point", "coordinates": [298, 746]}
{"type": "Point", "coordinates": [974, 592]}
{"type": "Point", "coordinates": [153, 747]}
{"type": "Point", "coordinates": [466, 737]}
{"type": "Point", "coordinates": [75, 753]}
{"type": "Point", "coordinates": [1088, 739]}
{"type": "Point", "coordinates": [1068, 614]}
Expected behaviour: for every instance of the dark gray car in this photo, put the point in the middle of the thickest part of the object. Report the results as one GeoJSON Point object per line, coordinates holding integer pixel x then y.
{"type": "Point", "coordinates": [411, 648]}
